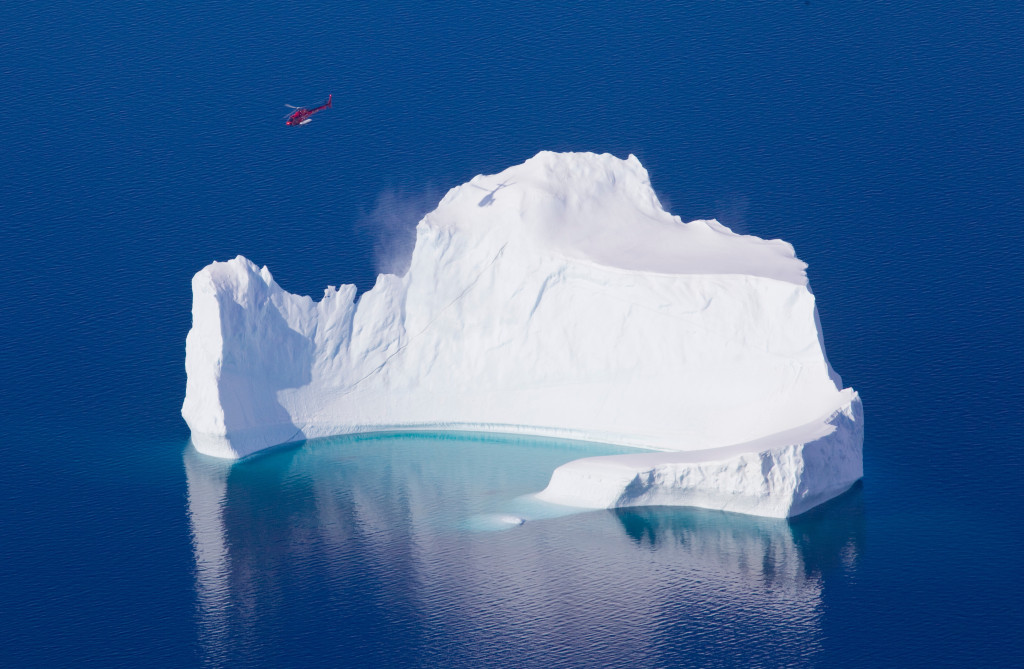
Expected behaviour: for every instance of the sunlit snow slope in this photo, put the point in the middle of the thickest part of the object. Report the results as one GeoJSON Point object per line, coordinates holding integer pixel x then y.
{"type": "Point", "coordinates": [556, 298]}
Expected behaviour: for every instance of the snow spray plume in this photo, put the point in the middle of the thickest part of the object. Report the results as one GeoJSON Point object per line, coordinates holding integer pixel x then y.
{"type": "Point", "coordinates": [731, 211]}
{"type": "Point", "coordinates": [392, 223]}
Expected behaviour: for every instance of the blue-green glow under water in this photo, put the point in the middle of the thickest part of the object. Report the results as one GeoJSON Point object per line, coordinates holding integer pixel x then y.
{"type": "Point", "coordinates": [450, 480]}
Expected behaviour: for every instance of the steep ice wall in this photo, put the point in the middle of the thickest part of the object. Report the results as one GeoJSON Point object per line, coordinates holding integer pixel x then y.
{"type": "Point", "coordinates": [556, 298]}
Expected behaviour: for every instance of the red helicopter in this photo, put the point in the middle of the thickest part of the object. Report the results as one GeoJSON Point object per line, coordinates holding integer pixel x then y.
{"type": "Point", "coordinates": [301, 115]}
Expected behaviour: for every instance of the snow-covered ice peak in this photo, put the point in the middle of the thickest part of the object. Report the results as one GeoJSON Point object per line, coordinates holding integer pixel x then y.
{"type": "Point", "coordinates": [556, 298]}
{"type": "Point", "coordinates": [603, 209]}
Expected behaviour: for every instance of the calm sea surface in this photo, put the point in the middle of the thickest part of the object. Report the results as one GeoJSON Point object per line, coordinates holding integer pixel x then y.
{"type": "Point", "coordinates": [144, 140]}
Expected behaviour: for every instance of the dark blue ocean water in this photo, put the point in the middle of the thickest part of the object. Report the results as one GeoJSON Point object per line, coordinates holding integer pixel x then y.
{"type": "Point", "coordinates": [144, 140]}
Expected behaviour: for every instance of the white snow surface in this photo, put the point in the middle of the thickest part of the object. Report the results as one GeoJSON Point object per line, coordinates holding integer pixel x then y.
{"type": "Point", "coordinates": [556, 298]}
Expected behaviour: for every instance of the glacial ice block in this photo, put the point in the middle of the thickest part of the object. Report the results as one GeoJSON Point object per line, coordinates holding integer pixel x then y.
{"type": "Point", "coordinates": [558, 299]}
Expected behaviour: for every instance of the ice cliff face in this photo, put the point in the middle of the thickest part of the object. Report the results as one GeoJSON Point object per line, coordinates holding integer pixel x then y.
{"type": "Point", "coordinates": [556, 298]}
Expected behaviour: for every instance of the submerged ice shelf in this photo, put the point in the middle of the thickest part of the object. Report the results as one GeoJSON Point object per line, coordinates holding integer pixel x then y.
{"type": "Point", "coordinates": [556, 298]}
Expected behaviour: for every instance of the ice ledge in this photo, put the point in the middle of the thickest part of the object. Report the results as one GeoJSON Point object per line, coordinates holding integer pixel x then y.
{"type": "Point", "coordinates": [779, 476]}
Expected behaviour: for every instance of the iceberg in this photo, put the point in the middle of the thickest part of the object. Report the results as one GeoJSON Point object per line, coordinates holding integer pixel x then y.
{"type": "Point", "coordinates": [557, 299]}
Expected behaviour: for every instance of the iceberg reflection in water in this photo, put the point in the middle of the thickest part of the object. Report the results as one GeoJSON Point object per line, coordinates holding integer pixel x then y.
{"type": "Point", "coordinates": [369, 548]}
